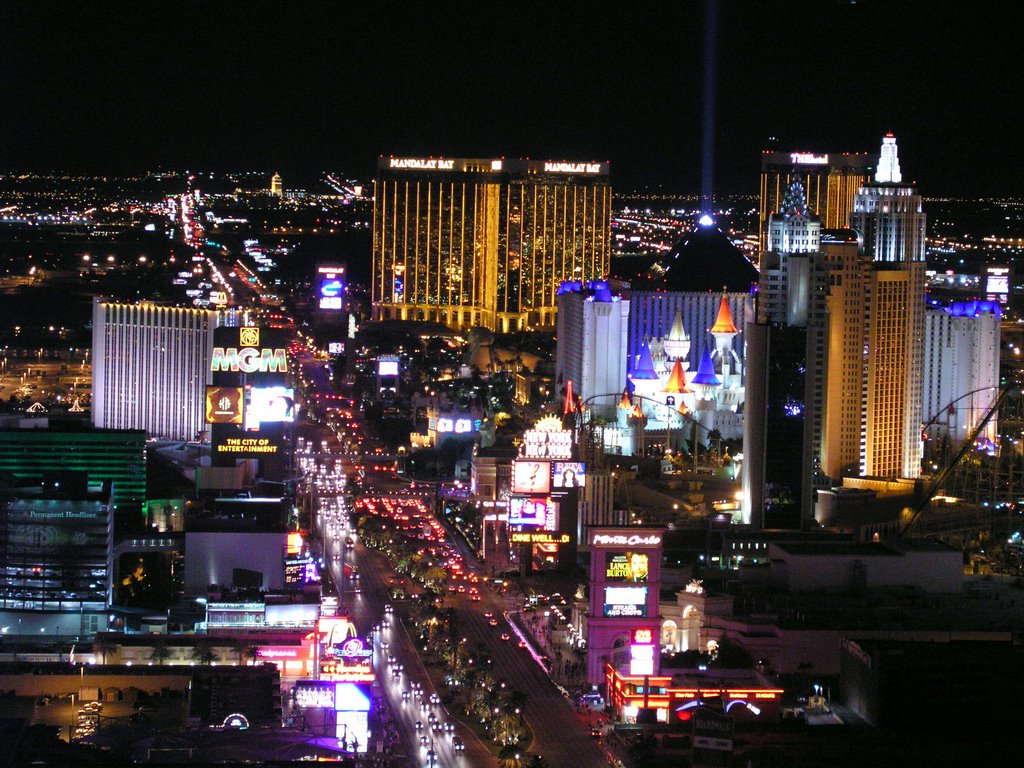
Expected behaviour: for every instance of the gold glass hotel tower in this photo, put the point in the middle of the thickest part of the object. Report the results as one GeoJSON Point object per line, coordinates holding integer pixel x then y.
{"type": "Point", "coordinates": [466, 242]}
{"type": "Point", "coordinates": [831, 182]}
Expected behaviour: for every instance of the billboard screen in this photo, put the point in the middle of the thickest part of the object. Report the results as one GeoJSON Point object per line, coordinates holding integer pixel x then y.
{"type": "Point", "coordinates": [268, 405]}
{"type": "Point", "coordinates": [527, 512]}
{"type": "Point", "coordinates": [224, 405]}
{"type": "Point", "coordinates": [626, 566]}
{"type": "Point", "coordinates": [997, 284]}
{"type": "Point", "coordinates": [330, 286]}
{"type": "Point", "coordinates": [351, 697]}
{"type": "Point", "coordinates": [569, 474]}
{"type": "Point", "coordinates": [300, 572]}
{"type": "Point", "coordinates": [314, 693]}
{"type": "Point", "coordinates": [387, 367]}
{"type": "Point", "coordinates": [531, 476]}
{"type": "Point", "coordinates": [625, 601]}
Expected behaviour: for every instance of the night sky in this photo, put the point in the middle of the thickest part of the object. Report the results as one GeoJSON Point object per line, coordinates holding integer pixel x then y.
{"type": "Point", "coordinates": [302, 87]}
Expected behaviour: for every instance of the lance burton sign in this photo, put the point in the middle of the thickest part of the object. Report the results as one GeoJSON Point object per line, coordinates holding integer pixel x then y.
{"type": "Point", "coordinates": [625, 540]}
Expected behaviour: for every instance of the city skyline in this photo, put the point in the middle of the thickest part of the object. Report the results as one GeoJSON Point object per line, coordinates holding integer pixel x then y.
{"type": "Point", "coordinates": [126, 89]}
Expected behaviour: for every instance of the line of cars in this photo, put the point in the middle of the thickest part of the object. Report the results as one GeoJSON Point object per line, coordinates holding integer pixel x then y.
{"type": "Point", "coordinates": [429, 707]}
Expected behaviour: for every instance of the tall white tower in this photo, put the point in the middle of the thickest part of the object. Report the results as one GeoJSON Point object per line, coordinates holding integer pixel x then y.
{"type": "Point", "coordinates": [891, 225]}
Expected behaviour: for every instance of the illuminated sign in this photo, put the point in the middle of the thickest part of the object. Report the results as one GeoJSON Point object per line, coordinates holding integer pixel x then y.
{"type": "Point", "coordinates": [268, 405]}
{"type": "Point", "coordinates": [572, 167]}
{"type": "Point", "coordinates": [458, 426]}
{"type": "Point", "coordinates": [808, 158]}
{"type": "Point", "coordinates": [540, 538]}
{"type": "Point", "coordinates": [249, 359]}
{"type": "Point", "coordinates": [626, 566]}
{"type": "Point", "coordinates": [531, 476]}
{"type": "Point", "coordinates": [354, 673]}
{"type": "Point", "coordinates": [354, 648]}
{"type": "Point", "coordinates": [625, 540]}
{"type": "Point", "coordinates": [528, 512]}
{"type": "Point", "coordinates": [387, 366]}
{"type": "Point", "coordinates": [547, 444]}
{"type": "Point", "coordinates": [641, 660]}
{"type": "Point", "coordinates": [331, 288]}
{"type": "Point", "coordinates": [421, 164]}
{"type": "Point", "coordinates": [351, 697]}
{"type": "Point", "coordinates": [643, 636]}
{"type": "Point", "coordinates": [569, 474]}
{"type": "Point", "coordinates": [294, 543]}
{"type": "Point", "coordinates": [246, 445]}
{"type": "Point", "coordinates": [278, 653]}
{"type": "Point", "coordinates": [224, 405]}
{"type": "Point", "coordinates": [236, 721]}
{"type": "Point", "coordinates": [335, 629]}
{"type": "Point", "coordinates": [353, 730]}
{"type": "Point", "coordinates": [997, 284]}
{"type": "Point", "coordinates": [335, 347]}
{"type": "Point", "coordinates": [625, 601]}
{"type": "Point", "coordinates": [694, 587]}
{"type": "Point", "coordinates": [298, 572]}
{"type": "Point", "coordinates": [314, 694]}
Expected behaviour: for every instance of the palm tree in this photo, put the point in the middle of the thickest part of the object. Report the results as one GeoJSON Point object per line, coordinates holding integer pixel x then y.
{"type": "Point", "coordinates": [102, 645]}
{"type": "Point", "coordinates": [203, 653]}
{"type": "Point", "coordinates": [434, 578]}
{"type": "Point", "coordinates": [510, 757]}
{"type": "Point", "coordinates": [160, 652]}
{"type": "Point", "coordinates": [248, 651]}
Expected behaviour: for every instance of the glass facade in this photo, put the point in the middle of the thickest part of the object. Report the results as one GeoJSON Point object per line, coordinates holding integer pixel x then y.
{"type": "Point", "coordinates": [831, 183]}
{"type": "Point", "coordinates": [53, 553]}
{"type": "Point", "coordinates": [485, 242]}
{"type": "Point", "coordinates": [118, 455]}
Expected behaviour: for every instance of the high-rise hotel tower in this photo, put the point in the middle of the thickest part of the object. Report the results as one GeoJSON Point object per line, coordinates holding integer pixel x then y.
{"type": "Point", "coordinates": [151, 365]}
{"type": "Point", "coordinates": [471, 242]}
{"type": "Point", "coordinates": [831, 182]}
{"type": "Point", "coordinates": [891, 224]}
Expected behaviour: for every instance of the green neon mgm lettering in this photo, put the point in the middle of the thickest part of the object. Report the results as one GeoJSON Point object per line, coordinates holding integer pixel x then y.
{"type": "Point", "coordinates": [249, 360]}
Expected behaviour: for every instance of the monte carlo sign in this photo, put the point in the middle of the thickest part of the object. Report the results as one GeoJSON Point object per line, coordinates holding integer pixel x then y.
{"type": "Point", "coordinates": [249, 356]}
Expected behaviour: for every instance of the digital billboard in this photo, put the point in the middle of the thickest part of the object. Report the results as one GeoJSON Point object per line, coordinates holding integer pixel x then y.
{"type": "Point", "coordinates": [387, 367]}
{"type": "Point", "coordinates": [522, 537]}
{"type": "Point", "coordinates": [626, 566]}
{"type": "Point", "coordinates": [641, 660]}
{"type": "Point", "coordinates": [315, 694]}
{"type": "Point", "coordinates": [527, 511]}
{"type": "Point", "coordinates": [625, 601]}
{"type": "Point", "coordinates": [330, 286]}
{"type": "Point", "coordinates": [300, 572]}
{"type": "Point", "coordinates": [531, 476]}
{"type": "Point", "coordinates": [568, 474]}
{"type": "Point", "coordinates": [224, 405]}
{"type": "Point", "coordinates": [268, 405]}
{"type": "Point", "coordinates": [641, 652]}
{"type": "Point", "coordinates": [997, 284]}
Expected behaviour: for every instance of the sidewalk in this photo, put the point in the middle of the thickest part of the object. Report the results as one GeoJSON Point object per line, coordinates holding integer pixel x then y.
{"type": "Point", "coordinates": [561, 672]}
